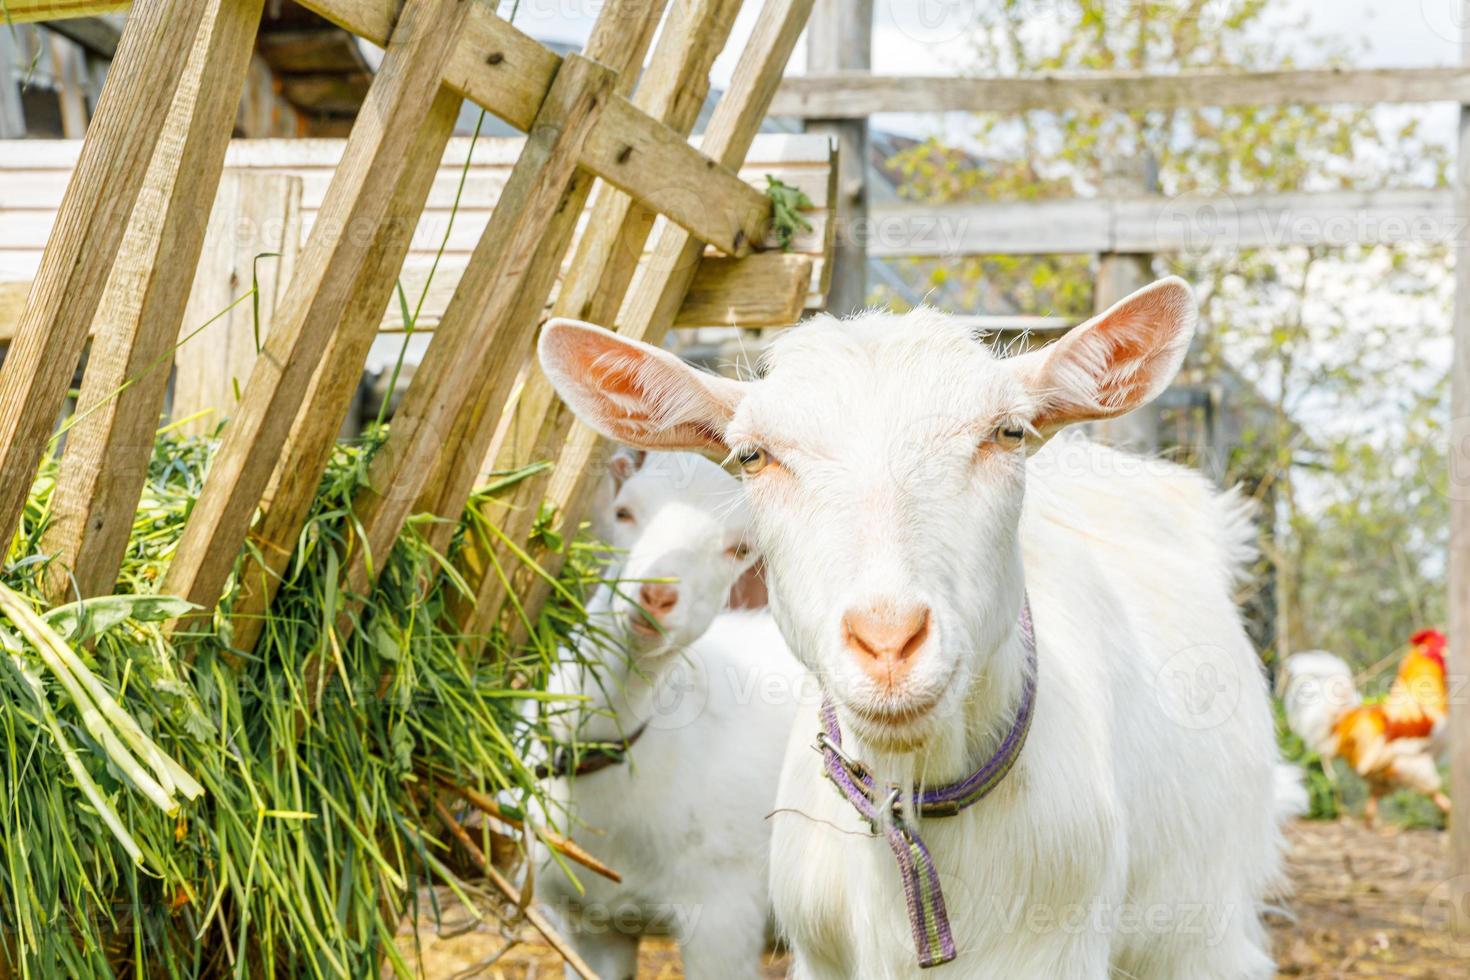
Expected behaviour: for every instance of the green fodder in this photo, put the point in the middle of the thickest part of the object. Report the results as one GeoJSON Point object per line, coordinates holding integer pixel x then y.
{"type": "Point", "coordinates": [314, 831]}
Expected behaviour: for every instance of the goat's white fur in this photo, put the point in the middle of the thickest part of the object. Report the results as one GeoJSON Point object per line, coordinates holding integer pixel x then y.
{"type": "Point", "coordinates": [684, 821]}
{"type": "Point", "coordinates": [1139, 830]}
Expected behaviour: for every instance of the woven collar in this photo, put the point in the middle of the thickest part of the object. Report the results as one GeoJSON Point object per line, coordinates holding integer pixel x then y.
{"type": "Point", "coordinates": [884, 809]}
{"type": "Point", "coordinates": [593, 758]}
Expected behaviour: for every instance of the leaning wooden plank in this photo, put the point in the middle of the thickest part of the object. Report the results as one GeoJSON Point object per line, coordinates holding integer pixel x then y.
{"type": "Point", "coordinates": [23, 11]}
{"type": "Point", "coordinates": [619, 41]}
{"type": "Point", "coordinates": [89, 229]}
{"type": "Point", "coordinates": [338, 249]}
{"type": "Point", "coordinates": [107, 451]}
{"type": "Point", "coordinates": [287, 503]}
{"type": "Point", "coordinates": [478, 318]}
{"type": "Point", "coordinates": [857, 95]}
{"type": "Point", "coordinates": [508, 73]}
{"type": "Point", "coordinates": [514, 291]}
{"type": "Point", "coordinates": [672, 90]}
{"type": "Point", "coordinates": [658, 292]}
{"type": "Point", "coordinates": [663, 281]}
{"type": "Point", "coordinates": [769, 290]}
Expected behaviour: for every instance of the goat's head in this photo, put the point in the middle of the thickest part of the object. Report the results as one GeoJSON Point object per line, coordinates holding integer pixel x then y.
{"type": "Point", "coordinates": [884, 461]}
{"type": "Point", "coordinates": [680, 522]}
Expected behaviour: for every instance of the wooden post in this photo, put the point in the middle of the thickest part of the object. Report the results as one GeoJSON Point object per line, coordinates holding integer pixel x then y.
{"type": "Point", "coordinates": [254, 229]}
{"type": "Point", "coordinates": [142, 306]}
{"type": "Point", "coordinates": [337, 250]}
{"type": "Point", "coordinates": [1459, 565]}
{"type": "Point", "coordinates": [653, 302]}
{"type": "Point", "coordinates": [840, 38]}
{"type": "Point", "coordinates": [292, 491]}
{"type": "Point", "coordinates": [85, 239]}
{"type": "Point", "coordinates": [12, 113]}
{"type": "Point", "coordinates": [1118, 275]}
{"type": "Point", "coordinates": [481, 341]}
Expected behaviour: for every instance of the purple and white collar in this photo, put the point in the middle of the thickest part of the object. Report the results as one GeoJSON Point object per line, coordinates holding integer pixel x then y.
{"type": "Point", "coordinates": [883, 808]}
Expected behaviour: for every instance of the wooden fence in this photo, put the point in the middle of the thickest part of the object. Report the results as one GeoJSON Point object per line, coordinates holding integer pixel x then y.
{"type": "Point", "coordinates": [120, 258]}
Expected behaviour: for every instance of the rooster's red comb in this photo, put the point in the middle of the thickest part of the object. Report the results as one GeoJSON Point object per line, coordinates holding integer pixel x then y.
{"type": "Point", "coordinates": [1433, 639]}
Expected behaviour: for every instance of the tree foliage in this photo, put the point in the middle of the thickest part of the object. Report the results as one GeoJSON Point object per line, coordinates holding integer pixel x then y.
{"type": "Point", "coordinates": [1346, 346]}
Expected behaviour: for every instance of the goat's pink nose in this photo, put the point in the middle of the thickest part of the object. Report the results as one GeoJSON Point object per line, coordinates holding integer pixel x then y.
{"type": "Point", "coordinates": [658, 598]}
{"type": "Point", "coordinates": [885, 636]}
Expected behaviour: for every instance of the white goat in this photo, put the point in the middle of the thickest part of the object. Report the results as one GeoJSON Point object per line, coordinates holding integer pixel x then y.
{"type": "Point", "coordinates": [704, 702]}
{"type": "Point", "coordinates": [907, 505]}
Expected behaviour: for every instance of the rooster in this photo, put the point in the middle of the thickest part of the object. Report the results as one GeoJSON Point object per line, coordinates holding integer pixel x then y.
{"type": "Point", "coordinates": [1391, 743]}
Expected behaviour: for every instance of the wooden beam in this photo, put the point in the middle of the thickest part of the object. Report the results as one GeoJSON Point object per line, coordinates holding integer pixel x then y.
{"type": "Point", "coordinates": [759, 292]}
{"type": "Point", "coordinates": [1456, 890]}
{"type": "Point", "coordinates": [840, 38]}
{"type": "Point", "coordinates": [12, 111]}
{"type": "Point", "coordinates": [658, 293]}
{"type": "Point", "coordinates": [478, 320]}
{"type": "Point", "coordinates": [288, 501]}
{"type": "Point", "coordinates": [338, 249]}
{"type": "Point", "coordinates": [84, 242]}
{"type": "Point", "coordinates": [25, 11]}
{"type": "Point", "coordinates": [99, 35]}
{"type": "Point", "coordinates": [857, 95]}
{"type": "Point", "coordinates": [673, 91]}
{"type": "Point", "coordinates": [1163, 224]}
{"type": "Point", "coordinates": [107, 451]}
{"type": "Point", "coordinates": [508, 73]}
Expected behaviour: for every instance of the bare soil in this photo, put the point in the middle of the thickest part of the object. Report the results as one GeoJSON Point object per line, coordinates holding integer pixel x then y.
{"type": "Point", "coordinates": [1365, 903]}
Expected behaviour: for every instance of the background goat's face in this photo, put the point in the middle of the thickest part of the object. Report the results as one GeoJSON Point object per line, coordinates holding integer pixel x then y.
{"type": "Point", "coordinates": [885, 469]}
{"type": "Point", "coordinates": [680, 522]}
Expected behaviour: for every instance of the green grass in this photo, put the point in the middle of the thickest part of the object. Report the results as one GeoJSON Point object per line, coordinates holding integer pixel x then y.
{"type": "Point", "coordinates": [312, 835]}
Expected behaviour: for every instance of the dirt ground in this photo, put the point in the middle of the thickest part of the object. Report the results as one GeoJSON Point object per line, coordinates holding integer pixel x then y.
{"type": "Point", "coordinates": [1366, 903]}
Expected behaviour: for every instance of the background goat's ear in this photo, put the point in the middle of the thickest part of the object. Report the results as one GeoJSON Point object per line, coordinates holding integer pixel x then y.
{"type": "Point", "coordinates": [624, 463]}
{"type": "Point", "coordinates": [635, 393]}
{"type": "Point", "coordinates": [749, 591]}
{"type": "Point", "coordinates": [1115, 362]}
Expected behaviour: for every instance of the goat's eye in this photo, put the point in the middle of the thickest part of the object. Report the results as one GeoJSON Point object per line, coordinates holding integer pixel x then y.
{"type": "Point", "coordinates": [624, 515]}
{"type": "Point", "coordinates": [739, 552]}
{"type": "Point", "coordinates": [752, 461]}
{"type": "Point", "coordinates": [1010, 436]}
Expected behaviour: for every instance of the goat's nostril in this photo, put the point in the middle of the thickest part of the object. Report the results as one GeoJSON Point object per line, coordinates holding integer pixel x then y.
{"type": "Point", "coordinates": [886, 632]}
{"type": "Point", "coordinates": [658, 598]}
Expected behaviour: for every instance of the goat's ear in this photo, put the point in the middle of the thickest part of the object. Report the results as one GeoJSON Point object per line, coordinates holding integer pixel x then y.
{"type": "Point", "coordinates": [1115, 362]}
{"type": "Point", "coordinates": [624, 463]}
{"type": "Point", "coordinates": [636, 393]}
{"type": "Point", "coordinates": [749, 591]}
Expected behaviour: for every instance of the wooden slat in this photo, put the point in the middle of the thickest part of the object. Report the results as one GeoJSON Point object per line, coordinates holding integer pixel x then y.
{"type": "Point", "coordinates": [758, 291]}
{"type": "Point", "coordinates": [255, 215]}
{"type": "Point", "coordinates": [478, 319]}
{"type": "Point", "coordinates": [89, 230]}
{"type": "Point", "coordinates": [1455, 892]}
{"type": "Point", "coordinates": [660, 288]}
{"type": "Point", "coordinates": [857, 95]}
{"type": "Point", "coordinates": [1163, 224]}
{"type": "Point", "coordinates": [672, 91]}
{"type": "Point", "coordinates": [336, 252]}
{"type": "Point", "coordinates": [288, 501]}
{"type": "Point", "coordinates": [107, 451]}
{"type": "Point", "coordinates": [512, 281]}
{"type": "Point", "coordinates": [24, 11]}
{"type": "Point", "coordinates": [509, 74]}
